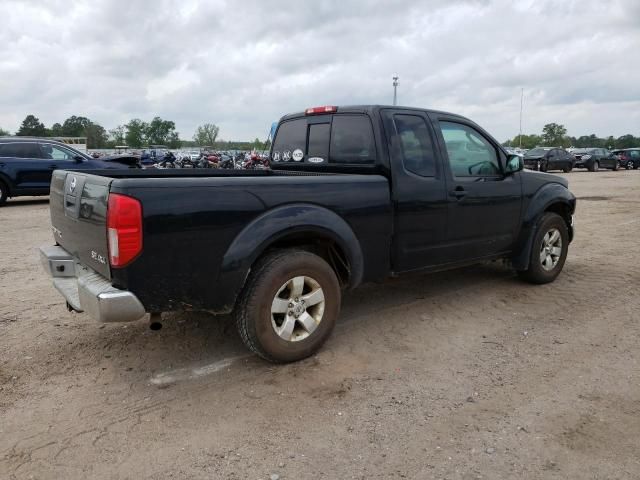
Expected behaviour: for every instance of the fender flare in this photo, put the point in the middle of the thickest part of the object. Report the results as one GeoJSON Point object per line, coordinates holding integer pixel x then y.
{"type": "Point", "coordinates": [547, 196]}
{"type": "Point", "coordinates": [278, 223]}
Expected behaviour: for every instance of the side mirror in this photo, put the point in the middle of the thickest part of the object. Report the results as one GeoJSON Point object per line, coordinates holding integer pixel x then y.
{"type": "Point", "coordinates": [514, 164]}
{"type": "Point", "coordinates": [78, 158]}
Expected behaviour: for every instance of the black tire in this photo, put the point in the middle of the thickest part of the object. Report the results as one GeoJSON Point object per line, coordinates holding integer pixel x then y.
{"type": "Point", "coordinates": [253, 313]}
{"type": "Point", "coordinates": [636, 165]}
{"type": "Point", "coordinates": [616, 166]}
{"type": "Point", "coordinates": [536, 273]}
{"type": "Point", "coordinates": [567, 169]}
{"type": "Point", "coordinates": [595, 166]}
{"type": "Point", "coordinates": [4, 193]}
{"type": "Point", "coordinates": [544, 166]}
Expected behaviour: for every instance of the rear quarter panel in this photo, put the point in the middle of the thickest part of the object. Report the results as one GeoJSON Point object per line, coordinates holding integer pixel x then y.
{"type": "Point", "coordinates": [191, 223]}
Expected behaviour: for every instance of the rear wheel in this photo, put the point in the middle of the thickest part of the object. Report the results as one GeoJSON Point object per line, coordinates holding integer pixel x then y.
{"type": "Point", "coordinates": [4, 193]}
{"type": "Point", "coordinates": [549, 250]}
{"type": "Point", "coordinates": [289, 306]}
{"type": "Point", "coordinates": [567, 168]}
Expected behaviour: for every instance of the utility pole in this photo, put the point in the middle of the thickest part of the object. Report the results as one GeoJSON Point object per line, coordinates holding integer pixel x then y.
{"type": "Point", "coordinates": [395, 89]}
{"type": "Point", "coordinates": [521, 100]}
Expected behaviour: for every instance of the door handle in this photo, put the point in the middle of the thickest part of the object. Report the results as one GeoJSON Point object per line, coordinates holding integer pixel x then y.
{"type": "Point", "coordinates": [53, 167]}
{"type": "Point", "coordinates": [459, 192]}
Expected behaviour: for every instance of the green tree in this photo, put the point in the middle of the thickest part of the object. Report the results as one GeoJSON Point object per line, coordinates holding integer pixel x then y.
{"type": "Point", "coordinates": [75, 126]}
{"type": "Point", "coordinates": [206, 134]}
{"type": "Point", "coordinates": [627, 141]}
{"type": "Point", "coordinates": [135, 135]}
{"type": "Point", "coordinates": [528, 141]}
{"type": "Point", "coordinates": [161, 132]}
{"type": "Point", "coordinates": [96, 135]}
{"type": "Point", "coordinates": [117, 134]}
{"type": "Point", "coordinates": [55, 130]}
{"type": "Point", "coordinates": [4, 133]}
{"type": "Point", "coordinates": [553, 134]}
{"type": "Point", "coordinates": [32, 127]}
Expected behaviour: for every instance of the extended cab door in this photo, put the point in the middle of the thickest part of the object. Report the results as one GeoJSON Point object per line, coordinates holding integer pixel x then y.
{"type": "Point", "coordinates": [419, 195]}
{"type": "Point", "coordinates": [484, 203]}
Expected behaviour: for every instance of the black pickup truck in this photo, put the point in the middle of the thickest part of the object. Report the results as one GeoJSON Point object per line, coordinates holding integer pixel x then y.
{"type": "Point", "coordinates": [355, 194]}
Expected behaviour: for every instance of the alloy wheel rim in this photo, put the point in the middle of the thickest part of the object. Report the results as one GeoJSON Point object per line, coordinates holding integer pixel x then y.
{"type": "Point", "coordinates": [297, 308]}
{"type": "Point", "coordinates": [551, 249]}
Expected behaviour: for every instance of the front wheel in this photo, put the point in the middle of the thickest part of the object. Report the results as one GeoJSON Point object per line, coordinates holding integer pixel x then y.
{"type": "Point", "coordinates": [616, 166]}
{"type": "Point", "coordinates": [289, 305]}
{"type": "Point", "coordinates": [549, 250]}
{"type": "Point", "coordinates": [567, 168]}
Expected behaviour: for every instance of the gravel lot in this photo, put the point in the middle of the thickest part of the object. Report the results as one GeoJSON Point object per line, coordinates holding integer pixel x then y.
{"type": "Point", "coordinates": [466, 374]}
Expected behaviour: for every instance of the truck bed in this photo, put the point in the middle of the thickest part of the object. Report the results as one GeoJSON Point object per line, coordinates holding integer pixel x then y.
{"type": "Point", "coordinates": [194, 220]}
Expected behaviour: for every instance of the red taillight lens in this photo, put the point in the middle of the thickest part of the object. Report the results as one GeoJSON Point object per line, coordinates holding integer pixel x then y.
{"type": "Point", "coordinates": [317, 110]}
{"type": "Point", "coordinates": [124, 229]}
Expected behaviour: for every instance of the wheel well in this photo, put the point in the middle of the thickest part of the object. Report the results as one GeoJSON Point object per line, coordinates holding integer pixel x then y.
{"type": "Point", "coordinates": [564, 211]}
{"type": "Point", "coordinates": [325, 247]}
{"type": "Point", "coordinates": [5, 181]}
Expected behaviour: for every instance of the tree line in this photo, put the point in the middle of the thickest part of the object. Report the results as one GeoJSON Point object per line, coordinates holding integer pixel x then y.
{"type": "Point", "coordinates": [135, 134]}
{"type": "Point", "coordinates": [555, 135]}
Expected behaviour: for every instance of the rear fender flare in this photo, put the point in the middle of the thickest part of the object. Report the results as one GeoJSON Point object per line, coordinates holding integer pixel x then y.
{"type": "Point", "coordinates": [279, 223]}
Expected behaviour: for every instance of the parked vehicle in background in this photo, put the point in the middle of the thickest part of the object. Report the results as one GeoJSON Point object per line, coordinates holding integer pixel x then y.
{"type": "Point", "coordinates": [544, 159]}
{"type": "Point", "coordinates": [594, 159]}
{"type": "Point", "coordinates": [355, 194]}
{"type": "Point", "coordinates": [154, 154]}
{"type": "Point", "coordinates": [26, 164]}
{"type": "Point", "coordinates": [629, 158]}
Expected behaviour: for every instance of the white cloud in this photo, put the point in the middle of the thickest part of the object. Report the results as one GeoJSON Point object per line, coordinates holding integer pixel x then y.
{"type": "Point", "coordinates": [244, 64]}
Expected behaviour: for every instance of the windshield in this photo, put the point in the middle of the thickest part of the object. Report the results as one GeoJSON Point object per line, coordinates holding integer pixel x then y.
{"type": "Point", "coordinates": [581, 151]}
{"type": "Point", "coordinates": [535, 152]}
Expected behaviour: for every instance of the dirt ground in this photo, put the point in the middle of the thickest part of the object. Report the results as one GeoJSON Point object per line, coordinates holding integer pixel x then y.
{"type": "Point", "coordinates": [461, 375]}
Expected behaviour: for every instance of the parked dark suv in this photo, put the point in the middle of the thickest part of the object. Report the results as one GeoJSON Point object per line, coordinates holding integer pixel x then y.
{"type": "Point", "coordinates": [595, 158]}
{"type": "Point", "coordinates": [629, 158]}
{"type": "Point", "coordinates": [26, 164]}
{"type": "Point", "coordinates": [548, 158]}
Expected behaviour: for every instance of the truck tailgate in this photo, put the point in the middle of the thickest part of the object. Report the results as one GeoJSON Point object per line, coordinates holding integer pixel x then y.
{"type": "Point", "coordinates": [78, 206]}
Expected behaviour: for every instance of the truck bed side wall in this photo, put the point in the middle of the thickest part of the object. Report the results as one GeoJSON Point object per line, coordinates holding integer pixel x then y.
{"type": "Point", "coordinates": [190, 224]}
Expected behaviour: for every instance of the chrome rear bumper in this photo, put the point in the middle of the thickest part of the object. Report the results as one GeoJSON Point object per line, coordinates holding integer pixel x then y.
{"type": "Point", "coordinates": [88, 291]}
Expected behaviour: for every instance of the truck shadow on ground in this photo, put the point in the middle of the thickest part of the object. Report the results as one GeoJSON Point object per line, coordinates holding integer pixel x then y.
{"type": "Point", "coordinates": [196, 344]}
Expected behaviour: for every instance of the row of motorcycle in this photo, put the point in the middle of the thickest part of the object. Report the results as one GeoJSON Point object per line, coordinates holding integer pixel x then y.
{"type": "Point", "coordinates": [241, 161]}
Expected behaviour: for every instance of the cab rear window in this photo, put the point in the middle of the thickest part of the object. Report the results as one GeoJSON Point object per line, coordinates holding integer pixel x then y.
{"type": "Point", "coordinates": [345, 139]}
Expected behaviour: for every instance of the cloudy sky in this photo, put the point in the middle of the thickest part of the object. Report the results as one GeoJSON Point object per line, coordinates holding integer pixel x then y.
{"type": "Point", "coordinates": [242, 64]}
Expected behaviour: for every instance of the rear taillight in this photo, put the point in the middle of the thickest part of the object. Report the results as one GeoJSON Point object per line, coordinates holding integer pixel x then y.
{"type": "Point", "coordinates": [319, 110]}
{"type": "Point", "coordinates": [124, 229]}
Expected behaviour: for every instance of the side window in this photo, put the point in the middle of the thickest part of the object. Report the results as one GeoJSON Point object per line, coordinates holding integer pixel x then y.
{"type": "Point", "coordinates": [291, 136]}
{"type": "Point", "coordinates": [635, 153]}
{"type": "Point", "coordinates": [416, 144]}
{"type": "Point", "coordinates": [352, 140]}
{"type": "Point", "coordinates": [20, 150]}
{"type": "Point", "coordinates": [53, 152]}
{"type": "Point", "coordinates": [318, 150]}
{"type": "Point", "coordinates": [470, 154]}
